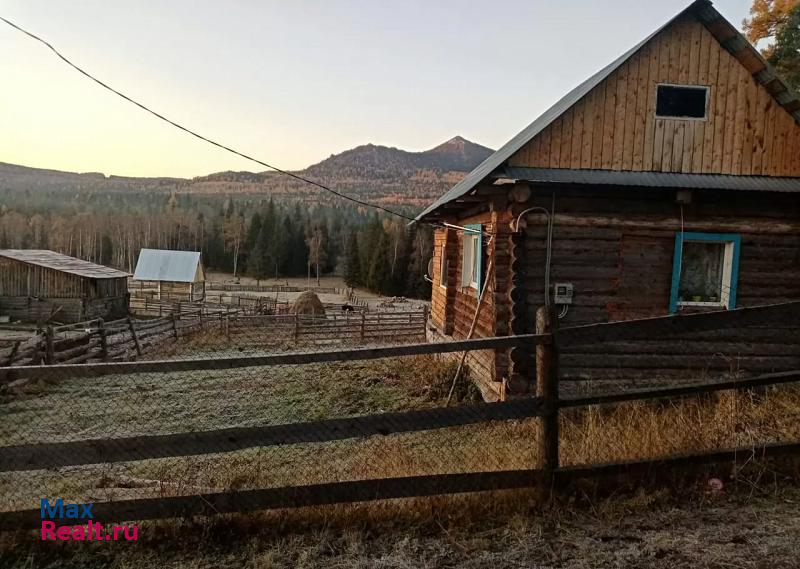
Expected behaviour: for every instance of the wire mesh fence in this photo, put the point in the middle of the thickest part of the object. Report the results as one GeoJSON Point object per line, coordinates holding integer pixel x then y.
{"type": "Point", "coordinates": [279, 427]}
{"type": "Point", "coordinates": [99, 435]}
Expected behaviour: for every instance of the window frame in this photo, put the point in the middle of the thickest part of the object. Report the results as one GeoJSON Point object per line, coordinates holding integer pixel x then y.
{"type": "Point", "coordinates": [730, 275]}
{"type": "Point", "coordinates": [472, 257]}
{"type": "Point", "coordinates": [444, 267]}
{"type": "Point", "coordinates": [704, 118]}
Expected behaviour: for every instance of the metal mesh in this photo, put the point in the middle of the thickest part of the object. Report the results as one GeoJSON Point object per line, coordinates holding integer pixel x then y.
{"type": "Point", "coordinates": [223, 406]}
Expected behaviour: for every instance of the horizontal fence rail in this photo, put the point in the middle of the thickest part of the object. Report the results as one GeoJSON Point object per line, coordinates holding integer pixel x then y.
{"type": "Point", "coordinates": [223, 363]}
{"type": "Point", "coordinates": [378, 489]}
{"type": "Point", "coordinates": [31, 457]}
{"type": "Point", "coordinates": [96, 340]}
{"type": "Point", "coordinates": [548, 409]}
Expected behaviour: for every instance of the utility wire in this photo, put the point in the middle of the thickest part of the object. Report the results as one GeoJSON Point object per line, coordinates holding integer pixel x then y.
{"type": "Point", "coordinates": [200, 136]}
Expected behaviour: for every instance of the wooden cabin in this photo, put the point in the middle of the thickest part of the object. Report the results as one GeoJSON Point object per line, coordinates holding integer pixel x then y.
{"type": "Point", "coordinates": [672, 180]}
{"type": "Point", "coordinates": [178, 275]}
{"type": "Point", "coordinates": [41, 286]}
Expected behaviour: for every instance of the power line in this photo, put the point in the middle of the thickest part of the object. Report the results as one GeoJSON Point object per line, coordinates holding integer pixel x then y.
{"type": "Point", "coordinates": [200, 136]}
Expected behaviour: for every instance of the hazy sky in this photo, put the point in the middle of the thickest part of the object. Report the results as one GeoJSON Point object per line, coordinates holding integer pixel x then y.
{"type": "Point", "coordinates": [295, 81]}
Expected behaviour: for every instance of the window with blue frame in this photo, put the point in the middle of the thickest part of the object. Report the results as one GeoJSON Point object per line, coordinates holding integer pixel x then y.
{"type": "Point", "coordinates": [705, 270]}
{"type": "Point", "coordinates": [472, 257]}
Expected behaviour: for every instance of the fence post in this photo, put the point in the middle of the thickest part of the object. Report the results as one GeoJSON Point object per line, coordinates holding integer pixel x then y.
{"type": "Point", "coordinates": [296, 326]}
{"type": "Point", "coordinates": [134, 336]}
{"type": "Point", "coordinates": [174, 326]}
{"type": "Point", "coordinates": [101, 330]}
{"type": "Point", "coordinates": [49, 355]}
{"type": "Point", "coordinates": [363, 322]}
{"type": "Point", "coordinates": [547, 389]}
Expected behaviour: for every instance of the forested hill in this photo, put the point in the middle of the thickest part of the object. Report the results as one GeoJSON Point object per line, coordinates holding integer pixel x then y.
{"type": "Point", "coordinates": [376, 173]}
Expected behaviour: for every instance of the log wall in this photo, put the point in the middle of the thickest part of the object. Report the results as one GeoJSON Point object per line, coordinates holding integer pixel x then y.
{"type": "Point", "coordinates": [617, 250]}
{"type": "Point", "coordinates": [453, 307]}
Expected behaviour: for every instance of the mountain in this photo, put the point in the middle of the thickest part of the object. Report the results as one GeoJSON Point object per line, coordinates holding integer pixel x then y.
{"type": "Point", "coordinates": [376, 173]}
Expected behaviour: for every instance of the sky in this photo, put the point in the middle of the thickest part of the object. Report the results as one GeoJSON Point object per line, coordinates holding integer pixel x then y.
{"type": "Point", "coordinates": [292, 82]}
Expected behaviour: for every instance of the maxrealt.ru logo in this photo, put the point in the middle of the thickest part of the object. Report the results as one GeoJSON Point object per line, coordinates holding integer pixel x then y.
{"type": "Point", "coordinates": [74, 515]}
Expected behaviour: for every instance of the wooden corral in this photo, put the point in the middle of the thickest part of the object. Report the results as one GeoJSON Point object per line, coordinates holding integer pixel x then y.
{"type": "Point", "coordinates": [178, 275]}
{"type": "Point", "coordinates": [651, 215]}
{"type": "Point", "coordinates": [40, 285]}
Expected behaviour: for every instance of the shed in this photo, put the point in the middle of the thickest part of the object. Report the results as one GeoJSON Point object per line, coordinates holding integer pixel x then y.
{"type": "Point", "coordinates": [38, 285]}
{"type": "Point", "coordinates": [671, 178]}
{"type": "Point", "coordinates": [179, 275]}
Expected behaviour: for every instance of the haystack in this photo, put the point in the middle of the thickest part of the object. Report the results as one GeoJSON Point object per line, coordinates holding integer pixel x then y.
{"type": "Point", "coordinates": [308, 303]}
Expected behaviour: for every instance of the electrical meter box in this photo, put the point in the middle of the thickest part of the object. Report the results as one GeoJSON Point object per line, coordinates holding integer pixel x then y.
{"type": "Point", "coordinates": [563, 293]}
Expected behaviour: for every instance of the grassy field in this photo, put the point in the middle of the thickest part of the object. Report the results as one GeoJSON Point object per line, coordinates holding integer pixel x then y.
{"type": "Point", "coordinates": [639, 528]}
{"type": "Point", "coordinates": [163, 403]}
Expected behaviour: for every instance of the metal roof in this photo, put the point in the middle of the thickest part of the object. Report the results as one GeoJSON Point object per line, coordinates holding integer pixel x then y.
{"type": "Point", "coordinates": [63, 263]}
{"type": "Point", "coordinates": [169, 266]}
{"type": "Point", "coordinates": [706, 13]}
{"type": "Point", "coordinates": [650, 179]}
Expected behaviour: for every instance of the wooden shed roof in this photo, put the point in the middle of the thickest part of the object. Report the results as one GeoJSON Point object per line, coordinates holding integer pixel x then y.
{"type": "Point", "coordinates": [63, 263]}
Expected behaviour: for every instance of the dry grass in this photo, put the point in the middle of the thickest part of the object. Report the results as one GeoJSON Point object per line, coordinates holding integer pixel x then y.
{"type": "Point", "coordinates": [503, 529]}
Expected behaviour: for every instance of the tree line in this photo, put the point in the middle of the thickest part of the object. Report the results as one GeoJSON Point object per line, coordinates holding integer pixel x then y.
{"type": "Point", "coordinates": [244, 236]}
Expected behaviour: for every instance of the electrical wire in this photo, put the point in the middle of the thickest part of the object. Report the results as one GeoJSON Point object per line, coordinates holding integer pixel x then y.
{"type": "Point", "coordinates": [204, 138]}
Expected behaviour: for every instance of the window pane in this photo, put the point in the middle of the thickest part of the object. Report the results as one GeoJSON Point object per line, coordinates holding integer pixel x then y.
{"type": "Point", "coordinates": [475, 253]}
{"type": "Point", "coordinates": [701, 272]}
{"type": "Point", "coordinates": [681, 102]}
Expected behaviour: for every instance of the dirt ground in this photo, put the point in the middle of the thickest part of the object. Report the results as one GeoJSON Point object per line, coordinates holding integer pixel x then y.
{"type": "Point", "coordinates": [639, 531]}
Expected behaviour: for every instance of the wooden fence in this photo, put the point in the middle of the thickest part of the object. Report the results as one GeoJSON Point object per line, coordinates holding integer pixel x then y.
{"type": "Point", "coordinates": [547, 405]}
{"type": "Point", "coordinates": [234, 287]}
{"type": "Point", "coordinates": [97, 340]}
{"type": "Point", "coordinates": [345, 327]}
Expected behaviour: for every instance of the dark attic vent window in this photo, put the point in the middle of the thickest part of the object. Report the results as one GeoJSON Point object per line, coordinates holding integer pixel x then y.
{"type": "Point", "coordinates": [681, 102]}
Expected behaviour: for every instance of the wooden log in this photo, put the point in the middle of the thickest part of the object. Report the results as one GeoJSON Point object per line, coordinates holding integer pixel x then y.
{"type": "Point", "coordinates": [69, 354]}
{"type": "Point", "coordinates": [381, 489]}
{"type": "Point", "coordinates": [664, 326]}
{"type": "Point", "coordinates": [49, 357]}
{"type": "Point", "coordinates": [134, 336]}
{"type": "Point", "coordinates": [103, 341]}
{"type": "Point", "coordinates": [38, 456]}
{"type": "Point", "coordinates": [217, 363]}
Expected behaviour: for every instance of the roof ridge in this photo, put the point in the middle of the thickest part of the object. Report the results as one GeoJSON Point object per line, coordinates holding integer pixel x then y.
{"type": "Point", "coordinates": [704, 11]}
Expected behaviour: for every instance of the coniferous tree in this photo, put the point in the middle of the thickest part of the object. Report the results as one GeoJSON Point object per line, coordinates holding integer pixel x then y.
{"type": "Point", "coordinates": [250, 238]}
{"type": "Point", "coordinates": [380, 271]}
{"type": "Point", "coordinates": [259, 259]}
{"type": "Point", "coordinates": [352, 268]}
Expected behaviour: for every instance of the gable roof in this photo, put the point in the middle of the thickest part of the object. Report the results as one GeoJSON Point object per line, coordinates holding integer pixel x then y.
{"type": "Point", "coordinates": [168, 266]}
{"type": "Point", "coordinates": [64, 263]}
{"type": "Point", "coordinates": [727, 35]}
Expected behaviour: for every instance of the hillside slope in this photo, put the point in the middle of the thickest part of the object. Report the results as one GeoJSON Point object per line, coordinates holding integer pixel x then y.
{"type": "Point", "coordinates": [377, 173]}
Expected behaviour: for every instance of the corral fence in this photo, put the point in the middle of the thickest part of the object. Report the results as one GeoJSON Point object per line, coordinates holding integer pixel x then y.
{"type": "Point", "coordinates": [182, 438]}
{"type": "Point", "coordinates": [343, 328]}
{"type": "Point", "coordinates": [148, 305]}
{"type": "Point", "coordinates": [234, 287]}
{"type": "Point", "coordinates": [97, 340]}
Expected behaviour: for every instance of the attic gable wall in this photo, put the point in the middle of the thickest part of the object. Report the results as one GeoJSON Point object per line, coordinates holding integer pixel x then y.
{"type": "Point", "coordinates": [613, 127]}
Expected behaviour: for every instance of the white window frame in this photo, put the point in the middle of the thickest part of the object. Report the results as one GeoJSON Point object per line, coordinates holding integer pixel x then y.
{"type": "Point", "coordinates": [704, 118]}
{"type": "Point", "coordinates": [469, 261]}
{"type": "Point", "coordinates": [443, 266]}
{"type": "Point", "coordinates": [727, 276]}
